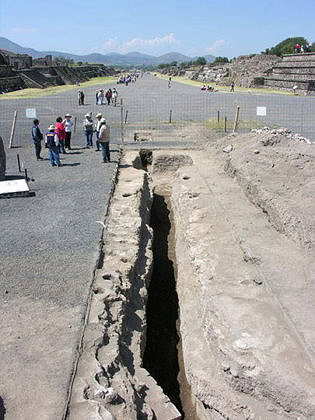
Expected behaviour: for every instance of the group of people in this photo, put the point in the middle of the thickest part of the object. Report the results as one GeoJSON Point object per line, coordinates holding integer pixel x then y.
{"type": "Point", "coordinates": [110, 96]}
{"type": "Point", "coordinates": [58, 137]}
{"type": "Point", "coordinates": [129, 78]}
{"type": "Point", "coordinates": [298, 48]}
{"type": "Point", "coordinates": [208, 88]}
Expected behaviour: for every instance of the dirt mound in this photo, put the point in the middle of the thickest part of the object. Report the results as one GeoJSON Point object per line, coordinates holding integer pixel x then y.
{"type": "Point", "coordinates": [276, 170]}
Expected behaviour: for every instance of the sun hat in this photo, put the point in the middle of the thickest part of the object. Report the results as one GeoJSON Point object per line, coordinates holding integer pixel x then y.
{"type": "Point", "coordinates": [87, 115]}
{"type": "Point", "coordinates": [103, 120]}
{"type": "Point", "coordinates": [68, 115]}
{"type": "Point", "coordinates": [51, 127]}
{"type": "Point", "coordinates": [99, 115]}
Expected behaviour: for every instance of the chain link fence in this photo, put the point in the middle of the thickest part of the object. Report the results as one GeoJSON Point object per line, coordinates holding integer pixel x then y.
{"type": "Point", "coordinates": [150, 111]}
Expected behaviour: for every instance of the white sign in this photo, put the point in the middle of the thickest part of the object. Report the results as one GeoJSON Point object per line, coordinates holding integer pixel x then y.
{"type": "Point", "coordinates": [30, 112]}
{"type": "Point", "coordinates": [261, 111]}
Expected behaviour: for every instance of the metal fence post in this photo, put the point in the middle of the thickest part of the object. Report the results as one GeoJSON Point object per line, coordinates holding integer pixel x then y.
{"type": "Point", "coordinates": [237, 114]}
{"type": "Point", "coordinates": [122, 120]}
{"type": "Point", "coordinates": [170, 120]}
{"type": "Point", "coordinates": [12, 130]}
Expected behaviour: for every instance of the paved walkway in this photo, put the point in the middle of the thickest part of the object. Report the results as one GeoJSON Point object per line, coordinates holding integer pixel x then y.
{"type": "Point", "coordinates": [48, 247]}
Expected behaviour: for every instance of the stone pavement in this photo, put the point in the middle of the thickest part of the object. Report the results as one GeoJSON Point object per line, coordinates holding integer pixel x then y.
{"type": "Point", "coordinates": [48, 247]}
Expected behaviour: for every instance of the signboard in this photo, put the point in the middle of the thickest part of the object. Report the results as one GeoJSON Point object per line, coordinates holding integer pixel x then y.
{"type": "Point", "coordinates": [261, 111]}
{"type": "Point", "coordinates": [30, 112]}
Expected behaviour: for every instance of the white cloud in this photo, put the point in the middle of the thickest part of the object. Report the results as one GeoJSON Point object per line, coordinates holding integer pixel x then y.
{"type": "Point", "coordinates": [216, 46]}
{"type": "Point", "coordinates": [113, 44]}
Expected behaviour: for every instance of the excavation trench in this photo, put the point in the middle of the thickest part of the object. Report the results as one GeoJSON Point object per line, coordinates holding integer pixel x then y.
{"type": "Point", "coordinates": [162, 357]}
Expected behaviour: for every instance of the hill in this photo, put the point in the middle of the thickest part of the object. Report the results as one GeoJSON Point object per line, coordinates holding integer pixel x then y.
{"type": "Point", "coordinates": [129, 59]}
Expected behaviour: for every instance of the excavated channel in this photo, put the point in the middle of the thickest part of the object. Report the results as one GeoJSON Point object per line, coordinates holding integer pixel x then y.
{"type": "Point", "coordinates": [161, 353]}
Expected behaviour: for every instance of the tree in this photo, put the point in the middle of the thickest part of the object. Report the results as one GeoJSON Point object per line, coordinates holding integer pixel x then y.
{"type": "Point", "coordinates": [220, 60]}
{"type": "Point", "coordinates": [286, 46]}
{"type": "Point", "coordinates": [201, 61]}
{"type": "Point", "coordinates": [313, 47]}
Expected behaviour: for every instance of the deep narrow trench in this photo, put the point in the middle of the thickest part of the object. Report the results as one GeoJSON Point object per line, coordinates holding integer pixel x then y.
{"type": "Point", "coordinates": [161, 353]}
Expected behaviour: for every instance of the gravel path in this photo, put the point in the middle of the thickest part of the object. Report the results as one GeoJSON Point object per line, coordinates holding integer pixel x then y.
{"type": "Point", "coordinates": [48, 250]}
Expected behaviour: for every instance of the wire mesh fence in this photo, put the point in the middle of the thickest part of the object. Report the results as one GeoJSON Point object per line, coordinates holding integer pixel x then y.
{"type": "Point", "coordinates": [150, 111]}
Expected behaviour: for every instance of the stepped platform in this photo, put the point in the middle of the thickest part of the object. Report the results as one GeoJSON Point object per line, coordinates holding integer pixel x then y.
{"type": "Point", "coordinates": [294, 70]}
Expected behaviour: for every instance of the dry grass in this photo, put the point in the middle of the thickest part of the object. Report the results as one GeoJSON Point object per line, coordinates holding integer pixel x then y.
{"type": "Point", "coordinates": [219, 126]}
{"type": "Point", "coordinates": [54, 90]}
{"type": "Point", "coordinates": [222, 88]}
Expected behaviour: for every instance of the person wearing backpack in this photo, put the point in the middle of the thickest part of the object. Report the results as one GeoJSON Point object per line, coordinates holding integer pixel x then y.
{"type": "Point", "coordinates": [37, 139]}
{"type": "Point", "coordinates": [103, 139]}
{"type": "Point", "coordinates": [52, 143]}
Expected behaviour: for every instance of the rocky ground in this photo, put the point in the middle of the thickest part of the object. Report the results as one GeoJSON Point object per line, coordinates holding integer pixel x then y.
{"type": "Point", "coordinates": [241, 243]}
{"type": "Point", "coordinates": [243, 247]}
{"type": "Point", "coordinates": [242, 70]}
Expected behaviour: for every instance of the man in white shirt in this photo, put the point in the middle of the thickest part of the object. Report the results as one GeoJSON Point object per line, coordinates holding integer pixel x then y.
{"type": "Point", "coordinates": [68, 123]}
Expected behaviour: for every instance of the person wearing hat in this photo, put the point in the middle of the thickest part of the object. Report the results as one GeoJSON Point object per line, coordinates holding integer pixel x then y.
{"type": "Point", "coordinates": [103, 139]}
{"type": "Point", "coordinates": [68, 124]}
{"type": "Point", "coordinates": [88, 130]}
{"type": "Point", "coordinates": [52, 143]}
{"type": "Point", "coordinates": [98, 117]}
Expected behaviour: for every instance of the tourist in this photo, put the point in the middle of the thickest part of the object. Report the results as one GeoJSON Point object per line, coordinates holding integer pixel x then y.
{"type": "Point", "coordinates": [100, 97]}
{"type": "Point", "coordinates": [82, 97]}
{"type": "Point", "coordinates": [88, 130]}
{"type": "Point", "coordinates": [104, 140]}
{"type": "Point", "coordinates": [295, 89]}
{"type": "Point", "coordinates": [232, 87]}
{"type": "Point", "coordinates": [97, 129]}
{"type": "Point", "coordinates": [169, 82]}
{"type": "Point", "coordinates": [52, 143]}
{"type": "Point", "coordinates": [204, 87]}
{"type": "Point", "coordinates": [37, 139]}
{"type": "Point", "coordinates": [297, 48]}
{"type": "Point", "coordinates": [68, 124]}
{"type": "Point", "coordinates": [61, 133]}
{"type": "Point", "coordinates": [79, 97]}
{"type": "Point", "coordinates": [108, 96]}
{"type": "Point", "coordinates": [114, 97]}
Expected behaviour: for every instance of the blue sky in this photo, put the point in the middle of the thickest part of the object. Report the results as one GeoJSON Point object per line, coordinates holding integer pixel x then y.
{"type": "Point", "coordinates": [192, 27]}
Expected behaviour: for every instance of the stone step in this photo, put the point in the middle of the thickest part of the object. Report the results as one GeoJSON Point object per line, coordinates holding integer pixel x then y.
{"type": "Point", "coordinates": [299, 57]}
{"type": "Point", "coordinates": [292, 76]}
{"type": "Point", "coordinates": [288, 84]}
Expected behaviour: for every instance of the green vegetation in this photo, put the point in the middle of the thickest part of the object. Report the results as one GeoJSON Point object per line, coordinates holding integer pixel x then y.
{"type": "Point", "coordinates": [287, 46]}
{"type": "Point", "coordinates": [219, 126]}
{"type": "Point", "coordinates": [54, 90]}
{"type": "Point", "coordinates": [220, 60]}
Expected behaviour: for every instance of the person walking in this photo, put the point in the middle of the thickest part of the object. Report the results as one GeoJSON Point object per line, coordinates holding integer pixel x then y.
{"type": "Point", "coordinates": [82, 97]}
{"type": "Point", "coordinates": [88, 130]}
{"type": "Point", "coordinates": [79, 97]}
{"type": "Point", "coordinates": [98, 117]}
{"type": "Point", "coordinates": [52, 143]}
{"type": "Point", "coordinates": [68, 124]}
{"type": "Point", "coordinates": [96, 97]}
{"type": "Point", "coordinates": [114, 96]}
{"type": "Point", "coordinates": [232, 87]}
{"type": "Point", "coordinates": [61, 133]}
{"type": "Point", "coordinates": [37, 139]}
{"type": "Point", "coordinates": [103, 139]}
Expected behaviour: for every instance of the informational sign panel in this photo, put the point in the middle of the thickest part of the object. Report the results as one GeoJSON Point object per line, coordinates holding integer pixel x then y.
{"type": "Point", "coordinates": [30, 112]}
{"type": "Point", "coordinates": [261, 111]}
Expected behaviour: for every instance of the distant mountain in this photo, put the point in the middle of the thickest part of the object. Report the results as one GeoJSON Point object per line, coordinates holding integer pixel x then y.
{"type": "Point", "coordinates": [129, 59]}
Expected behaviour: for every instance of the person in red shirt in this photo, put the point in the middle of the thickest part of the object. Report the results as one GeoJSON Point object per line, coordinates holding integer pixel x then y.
{"type": "Point", "coordinates": [61, 134]}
